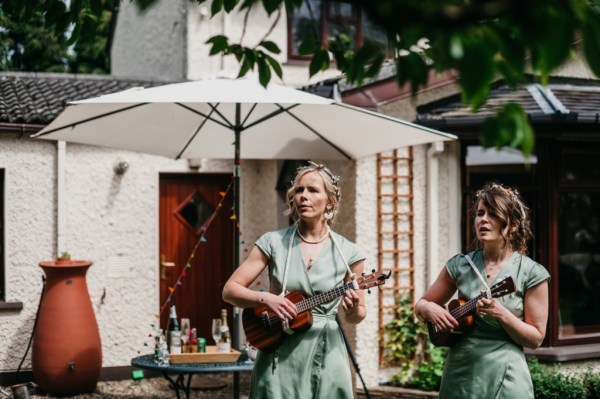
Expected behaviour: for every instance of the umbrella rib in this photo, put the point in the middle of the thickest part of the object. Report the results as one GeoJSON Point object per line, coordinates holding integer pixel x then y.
{"type": "Point", "coordinates": [91, 119]}
{"type": "Point", "coordinates": [227, 125]}
{"type": "Point", "coordinates": [194, 135]}
{"type": "Point", "coordinates": [315, 132]}
{"type": "Point", "coordinates": [249, 113]}
{"type": "Point", "coordinates": [271, 115]}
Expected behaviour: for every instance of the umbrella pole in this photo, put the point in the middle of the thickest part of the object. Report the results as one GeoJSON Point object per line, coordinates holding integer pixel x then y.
{"type": "Point", "coordinates": [236, 225]}
{"type": "Point", "coordinates": [237, 320]}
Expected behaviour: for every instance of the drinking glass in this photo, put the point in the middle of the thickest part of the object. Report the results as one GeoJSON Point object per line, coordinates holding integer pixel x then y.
{"type": "Point", "coordinates": [216, 330]}
{"type": "Point", "coordinates": [185, 333]}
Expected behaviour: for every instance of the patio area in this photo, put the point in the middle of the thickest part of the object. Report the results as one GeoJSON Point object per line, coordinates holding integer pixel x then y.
{"type": "Point", "coordinates": [207, 386]}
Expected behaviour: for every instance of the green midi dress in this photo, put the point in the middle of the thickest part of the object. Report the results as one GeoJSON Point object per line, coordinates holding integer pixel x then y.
{"type": "Point", "coordinates": [486, 363]}
{"type": "Point", "coordinates": [314, 363]}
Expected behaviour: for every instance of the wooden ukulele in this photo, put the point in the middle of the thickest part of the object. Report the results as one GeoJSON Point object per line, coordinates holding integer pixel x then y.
{"type": "Point", "coordinates": [265, 331]}
{"type": "Point", "coordinates": [463, 310]}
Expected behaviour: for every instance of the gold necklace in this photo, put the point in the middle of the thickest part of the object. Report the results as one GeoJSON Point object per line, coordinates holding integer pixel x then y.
{"type": "Point", "coordinates": [318, 241]}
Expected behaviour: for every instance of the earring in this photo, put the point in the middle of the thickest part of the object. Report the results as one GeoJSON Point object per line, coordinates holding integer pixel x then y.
{"type": "Point", "coordinates": [328, 214]}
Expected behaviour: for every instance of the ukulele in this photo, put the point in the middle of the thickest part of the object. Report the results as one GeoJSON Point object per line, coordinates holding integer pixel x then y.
{"type": "Point", "coordinates": [266, 331]}
{"type": "Point", "coordinates": [463, 310]}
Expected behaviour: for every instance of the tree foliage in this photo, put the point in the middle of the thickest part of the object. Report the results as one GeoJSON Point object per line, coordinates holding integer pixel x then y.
{"type": "Point", "coordinates": [48, 36]}
{"type": "Point", "coordinates": [479, 40]}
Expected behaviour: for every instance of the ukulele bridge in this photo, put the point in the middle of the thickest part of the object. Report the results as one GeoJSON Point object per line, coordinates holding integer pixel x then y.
{"type": "Point", "coordinates": [265, 321]}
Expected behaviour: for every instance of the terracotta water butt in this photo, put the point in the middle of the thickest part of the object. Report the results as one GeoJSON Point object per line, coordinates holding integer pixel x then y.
{"type": "Point", "coordinates": [67, 352]}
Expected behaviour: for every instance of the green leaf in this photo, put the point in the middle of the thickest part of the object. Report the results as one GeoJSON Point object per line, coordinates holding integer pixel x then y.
{"type": "Point", "coordinates": [229, 5]}
{"type": "Point", "coordinates": [412, 68]}
{"type": "Point", "coordinates": [219, 44]}
{"type": "Point", "coordinates": [509, 127]}
{"type": "Point", "coordinates": [308, 46]}
{"type": "Point", "coordinates": [271, 5]}
{"type": "Point", "coordinates": [270, 46]}
{"type": "Point", "coordinates": [551, 46]}
{"type": "Point", "coordinates": [319, 62]}
{"type": "Point", "coordinates": [264, 72]}
{"type": "Point", "coordinates": [274, 65]}
{"type": "Point", "coordinates": [216, 7]}
{"type": "Point", "coordinates": [244, 68]}
{"type": "Point", "coordinates": [476, 71]}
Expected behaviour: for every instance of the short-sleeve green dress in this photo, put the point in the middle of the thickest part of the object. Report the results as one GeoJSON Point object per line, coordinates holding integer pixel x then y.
{"type": "Point", "coordinates": [314, 363]}
{"type": "Point", "coordinates": [486, 363]}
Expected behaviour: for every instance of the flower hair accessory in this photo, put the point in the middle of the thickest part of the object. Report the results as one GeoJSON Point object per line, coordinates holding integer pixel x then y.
{"type": "Point", "coordinates": [319, 166]}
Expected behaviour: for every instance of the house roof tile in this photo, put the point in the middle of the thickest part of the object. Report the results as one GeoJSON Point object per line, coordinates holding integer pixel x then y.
{"type": "Point", "coordinates": [576, 101]}
{"type": "Point", "coordinates": [38, 98]}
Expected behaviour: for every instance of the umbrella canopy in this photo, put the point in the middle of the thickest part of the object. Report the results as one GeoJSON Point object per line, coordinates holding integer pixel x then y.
{"type": "Point", "coordinates": [233, 118]}
{"type": "Point", "coordinates": [200, 119]}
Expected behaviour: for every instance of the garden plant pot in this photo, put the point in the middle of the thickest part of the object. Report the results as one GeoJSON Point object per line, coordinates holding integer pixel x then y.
{"type": "Point", "coordinates": [67, 352]}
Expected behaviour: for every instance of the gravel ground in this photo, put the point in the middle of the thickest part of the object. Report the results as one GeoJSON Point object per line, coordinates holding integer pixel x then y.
{"type": "Point", "coordinates": [207, 386]}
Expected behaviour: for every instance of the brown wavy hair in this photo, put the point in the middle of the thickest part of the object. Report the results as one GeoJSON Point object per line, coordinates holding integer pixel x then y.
{"type": "Point", "coordinates": [506, 204]}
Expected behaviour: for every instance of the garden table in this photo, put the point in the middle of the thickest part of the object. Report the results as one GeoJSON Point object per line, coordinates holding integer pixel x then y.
{"type": "Point", "coordinates": [180, 375]}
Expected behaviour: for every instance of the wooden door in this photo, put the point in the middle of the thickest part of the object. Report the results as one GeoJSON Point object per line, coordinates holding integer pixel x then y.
{"type": "Point", "coordinates": [187, 201]}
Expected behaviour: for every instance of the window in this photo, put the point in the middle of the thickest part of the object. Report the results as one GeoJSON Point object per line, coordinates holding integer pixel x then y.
{"type": "Point", "coordinates": [324, 19]}
{"type": "Point", "coordinates": [578, 243]}
{"type": "Point", "coordinates": [561, 184]}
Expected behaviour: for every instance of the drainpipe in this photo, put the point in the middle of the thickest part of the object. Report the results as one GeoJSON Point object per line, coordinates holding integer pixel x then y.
{"type": "Point", "coordinates": [61, 148]}
{"type": "Point", "coordinates": [433, 152]}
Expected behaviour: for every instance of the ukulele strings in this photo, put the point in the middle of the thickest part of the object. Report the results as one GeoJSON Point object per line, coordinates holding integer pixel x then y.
{"type": "Point", "coordinates": [316, 300]}
{"type": "Point", "coordinates": [470, 305]}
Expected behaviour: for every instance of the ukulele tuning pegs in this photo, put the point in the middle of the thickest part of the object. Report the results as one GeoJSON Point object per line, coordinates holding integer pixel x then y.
{"type": "Point", "coordinates": [369, 291]}
{"type": "Point", "coordinates": [512, 295]}
{"type": "Point", "coordinates": [363, 274]}
{"type": "Point", "coordinates": [372, 270]}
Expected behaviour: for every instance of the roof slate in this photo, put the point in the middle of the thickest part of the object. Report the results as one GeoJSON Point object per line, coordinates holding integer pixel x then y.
{"type": "Point", "coordinates": [576, 101]}
{"type": "Point", "coordinates": [38, 98]}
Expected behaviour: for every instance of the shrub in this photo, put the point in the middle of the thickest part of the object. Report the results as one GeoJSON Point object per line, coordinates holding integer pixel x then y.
{"type": "Point", "coordinates": [407, 345]}
{"type": "Point", "coordinates": [550, 383]}
{"type": "Point", "coordinates": [592, 382]}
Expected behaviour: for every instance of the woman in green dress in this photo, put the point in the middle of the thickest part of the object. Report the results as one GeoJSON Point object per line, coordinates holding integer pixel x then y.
{"type": "Point", "coordinates": [307, 257]}
{"type": "Point", "coordinates": [488, 361]}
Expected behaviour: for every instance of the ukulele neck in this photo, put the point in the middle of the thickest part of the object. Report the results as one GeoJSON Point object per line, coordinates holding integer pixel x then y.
{"type": "Point", "coordinates": [467, 308]}
{"type": "Point", "coordinates": [322, 298]}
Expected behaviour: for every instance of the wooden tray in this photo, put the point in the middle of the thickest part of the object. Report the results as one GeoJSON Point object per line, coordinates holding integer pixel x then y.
{"type": "Point", "coordinates": [210, 356]}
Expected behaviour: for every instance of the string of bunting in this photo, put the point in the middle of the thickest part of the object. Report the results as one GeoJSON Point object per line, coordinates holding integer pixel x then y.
{"type": "Point", "coordinates": [201, 239]}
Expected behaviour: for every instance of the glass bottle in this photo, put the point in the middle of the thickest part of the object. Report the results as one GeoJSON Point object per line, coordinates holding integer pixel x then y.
{"type": "Point", "coordinates": [174, 335]}
{"type": "Point", "coordinates": [224, 342]}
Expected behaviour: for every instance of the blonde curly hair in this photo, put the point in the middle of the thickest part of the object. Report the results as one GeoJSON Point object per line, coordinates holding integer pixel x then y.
{"type": "Point", "coordinates": [332, 188]}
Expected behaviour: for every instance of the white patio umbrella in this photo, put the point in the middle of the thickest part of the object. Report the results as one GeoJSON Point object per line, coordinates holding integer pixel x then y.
{"type": "Point", "coordinates": [233, 118]}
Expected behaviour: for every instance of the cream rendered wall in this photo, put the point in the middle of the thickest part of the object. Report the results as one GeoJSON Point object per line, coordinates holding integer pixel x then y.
{"type": "Point", "coordinates": [29, 197]}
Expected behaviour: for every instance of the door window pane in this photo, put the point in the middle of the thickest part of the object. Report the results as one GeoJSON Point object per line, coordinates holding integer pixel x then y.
{"type": "Point", "coordinates": [579, 263]}
{"type": "Point", "coordinates": [195, 212]}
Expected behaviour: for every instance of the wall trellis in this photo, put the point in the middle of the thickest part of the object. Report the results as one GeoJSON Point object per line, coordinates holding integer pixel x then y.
{"type": "Point", "coordinates": [395, 233]}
